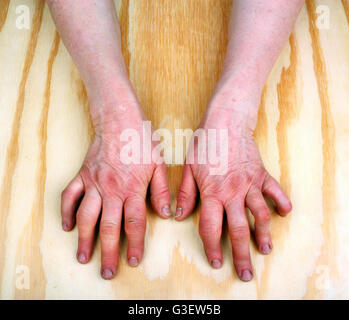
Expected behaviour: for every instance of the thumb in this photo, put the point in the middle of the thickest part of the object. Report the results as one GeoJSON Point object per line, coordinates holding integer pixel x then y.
{"type": "Point", "coordinates": [186, 195]}
{"type": "Point", "coordinates": [160, 193]}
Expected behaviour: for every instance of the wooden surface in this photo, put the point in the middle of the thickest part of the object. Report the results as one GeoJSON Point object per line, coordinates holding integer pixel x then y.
{"type": "Point", "coordinates": [174, 51]}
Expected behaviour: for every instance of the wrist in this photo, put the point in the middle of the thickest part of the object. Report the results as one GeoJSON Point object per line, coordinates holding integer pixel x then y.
{"type": "Point", "coordinates": [234, 104]}
{"type": "Point", "coordinates": [116, 110]}
{"type": "Point", "coordinates": [104, 89]}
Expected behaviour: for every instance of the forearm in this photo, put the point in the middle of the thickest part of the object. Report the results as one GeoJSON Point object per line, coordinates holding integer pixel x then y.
{"type": "Point", "coordinates": [91, 33]}
{"type": "Point", "coordinates": [257, 33]}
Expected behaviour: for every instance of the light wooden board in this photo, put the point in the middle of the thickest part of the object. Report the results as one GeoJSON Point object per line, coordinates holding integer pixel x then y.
{"type": "Point", "coordinates": [174, 51]}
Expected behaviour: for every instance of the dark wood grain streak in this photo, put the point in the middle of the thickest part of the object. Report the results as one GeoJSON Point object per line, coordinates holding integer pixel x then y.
{"type": "Point", "coordinates": [329, 159]}
{"type": "Point", "coordinates": [29, 249]}
{"type": "Point", "coordinates": [4, 5]}
{"type": "Point", "coordinates": [13, 147]}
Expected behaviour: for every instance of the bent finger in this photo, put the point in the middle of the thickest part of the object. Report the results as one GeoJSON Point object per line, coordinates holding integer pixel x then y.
{"type": "Point", "coordinates": [109, 230]}
{"type": "Point", "coordinates": [210, 229]}
{"type": "Point", "coordinates": [186, 195]}
{"type": "Point", "coordinates": [69, 199]}
{"type": "Point", "coordinates": [256, 203]}
{"type": "Point", "coordinates": [160, 192]}
{"type": "Point", "coordinates": [87, 217]}
{"type": "Point", "coordinates": [239, 233]}
{"type": "Point", "coordinates": [272, 189]}
{"type": "Point", "coordinates": [135, 224]}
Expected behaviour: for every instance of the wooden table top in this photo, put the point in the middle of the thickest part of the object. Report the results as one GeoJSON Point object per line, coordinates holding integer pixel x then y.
{"type": "Point", "coordinates": [174, 52]}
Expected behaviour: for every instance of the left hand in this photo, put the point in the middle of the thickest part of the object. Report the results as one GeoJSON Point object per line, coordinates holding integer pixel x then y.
{"type": "Point", "coordinates": [243, 184]}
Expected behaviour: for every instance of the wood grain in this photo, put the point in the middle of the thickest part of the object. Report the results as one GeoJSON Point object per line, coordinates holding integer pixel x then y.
{"type": "Point", "coordinates": [174, 52]}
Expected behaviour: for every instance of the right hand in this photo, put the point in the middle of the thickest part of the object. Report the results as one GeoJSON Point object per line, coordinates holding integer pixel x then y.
{"type": "Point", "coordinates": [108, 187]}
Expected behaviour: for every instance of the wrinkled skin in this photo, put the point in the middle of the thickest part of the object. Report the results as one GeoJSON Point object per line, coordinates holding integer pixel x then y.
{"type": "Point", "coordinates": [110, 189]}
{"type": "Point", "coordinates": [243, 185]}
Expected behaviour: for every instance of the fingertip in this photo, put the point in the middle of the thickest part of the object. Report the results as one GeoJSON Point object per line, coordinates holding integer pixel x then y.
{"type": "Point", "coordinates": [246, 275]}
{"type": "Point", "coordinates": [66, 227]}
{"type": "Point", "coordinates": [179, 213]}
{"type": "Point", "coordinates": [288, 207]}
{"type": "Point", "coordinates": [285, 208]}
{"type": "Point", "coordinates": [161, 206]}
{"type": "Point", "coordinates": [135, 253]}
{"type": "Point", "coordinates": [216, 263]}
{"type": "Point", "coordinates": [165, 211]}
{"type": "Point", "coordinates": [107, 273]}
{"type": "Point", "coordinates": [82, 257]}
{"type": "Point", "coordinates": [265, 248]}
{"type": "Point", "coordinates": [183, 210]}
{"type": "Point", "coordinates": [133, 261]}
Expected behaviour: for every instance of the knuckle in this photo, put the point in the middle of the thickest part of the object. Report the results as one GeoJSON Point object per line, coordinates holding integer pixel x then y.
{"type": "Point", "coordinates": [84, 217]}
{"type": "Point", "coordinates": [66, 193]}
{"type": "Point", "coordinates": [264, 215]}
{"type": "Point", "coordinates": [183, 196]}
{"type": "Point", "coordinates": [161, 192]}
{"type": "Point", "coordinates": [207, 230]}
{"type": "Point", "coordinates": [239, 233]}
{"type": "Point", "coordinates": [134, 225]}
{"type": "Point", "coordinates": [107, 180]}
{"type": "Point", "coordinates": [105, 174]}
{"type": "Point", "coordinates": [231, 202]}
{"type": "Point", "coordinates": [268, 182]}
{"type": "Point", "coordinates": [108, 229]}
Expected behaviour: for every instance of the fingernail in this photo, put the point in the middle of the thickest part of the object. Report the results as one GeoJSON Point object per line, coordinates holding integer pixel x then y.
{"type": "Point", "coordinates": [65, 227]}
{"type": "Point", "coordinates": [133, 262]}
{"type": "Point", "coordinates": [166, 210]}
{"type": "Point", "coordinates": [179, 212]}
{"type": "Point", "coordinates": [246, 275]}
{"type": "Point", "coordinates": [216, 263]}
{"type": "Point", "coordinates": [107, 274]}
{"type": "Point", "coordinates": [266, 249]}
{"type": "Point", "coordinates": [82, 257]}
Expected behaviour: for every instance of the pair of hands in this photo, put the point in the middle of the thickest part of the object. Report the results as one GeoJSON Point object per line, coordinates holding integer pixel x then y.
{"type": "Point", "coordinates": [107, 187]}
